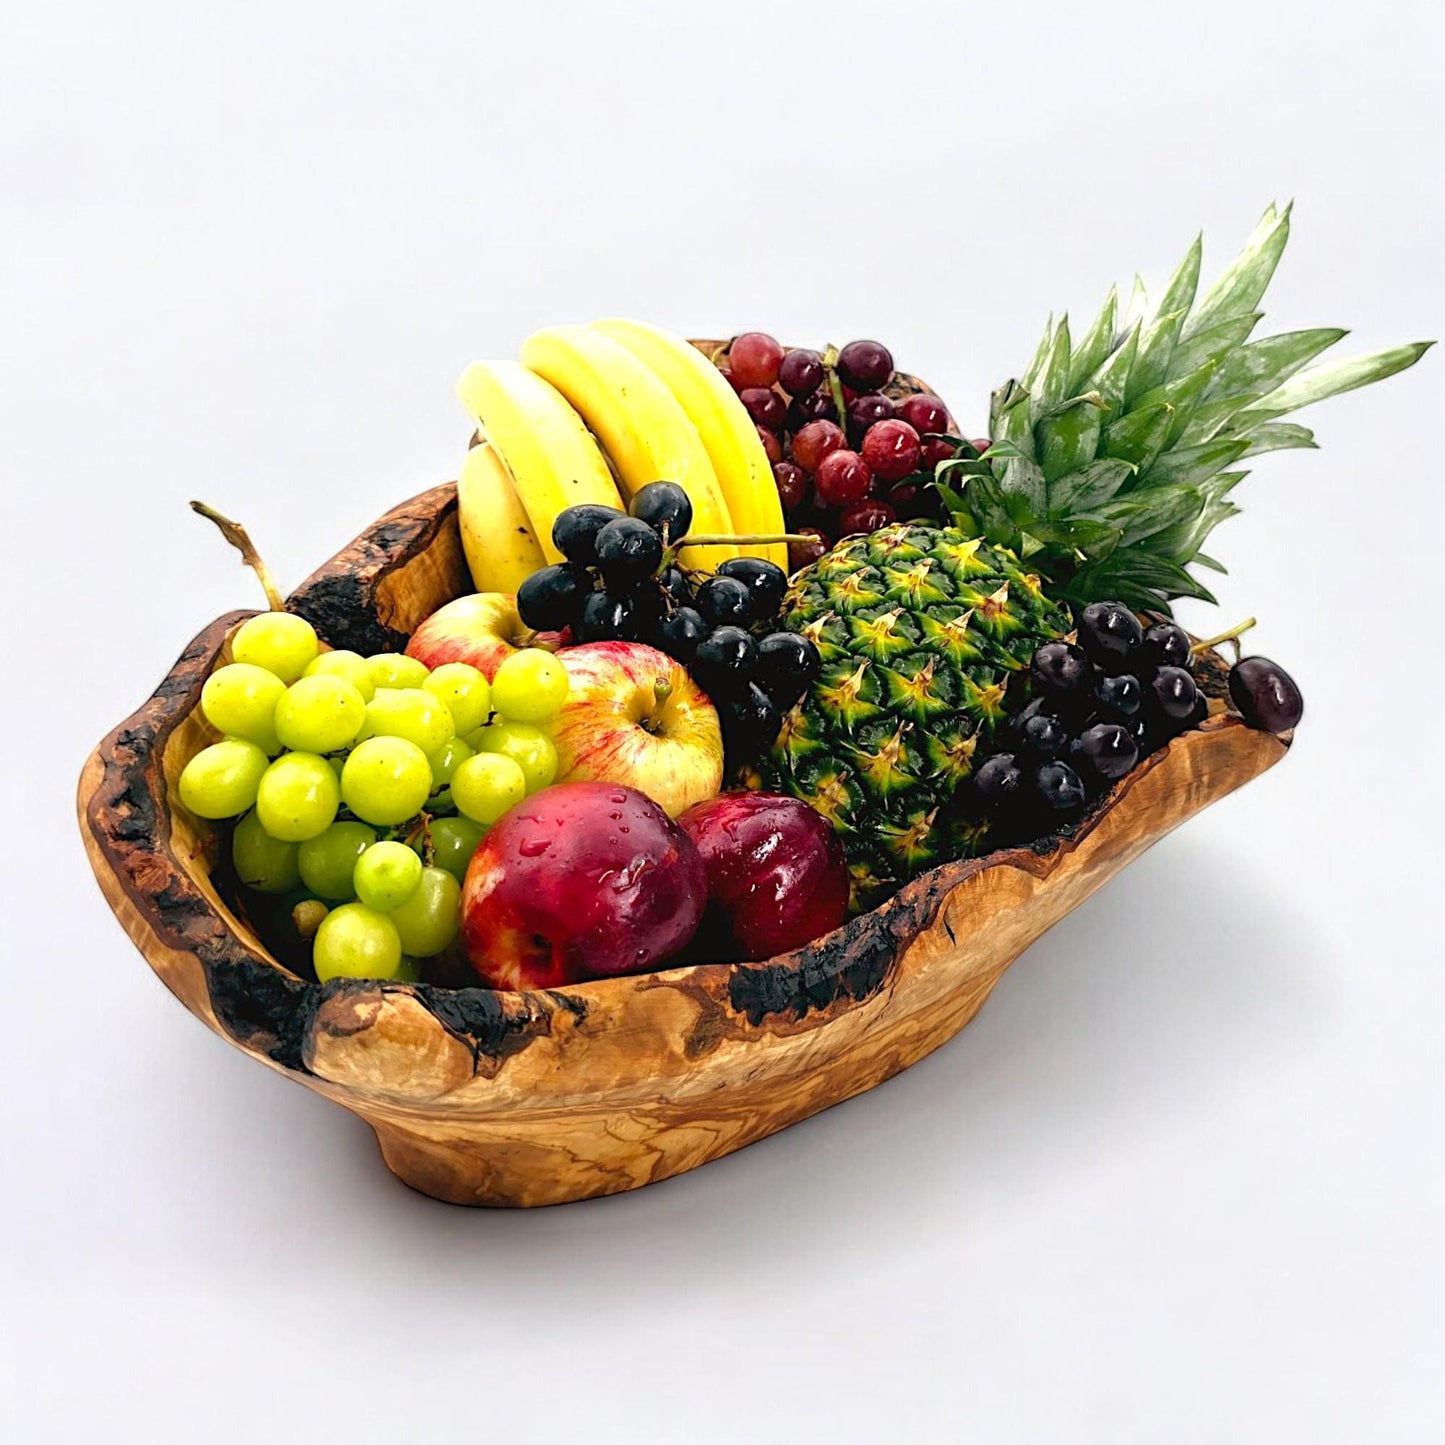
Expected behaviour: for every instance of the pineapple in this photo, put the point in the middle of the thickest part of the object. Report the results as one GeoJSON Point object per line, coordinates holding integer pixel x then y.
{"type": "Point", "coordinates": [925, 636]}
{"type": "Point", "coordinates": [1112, 460]}
{"type": "Point", "coordinates": [1115, 456]}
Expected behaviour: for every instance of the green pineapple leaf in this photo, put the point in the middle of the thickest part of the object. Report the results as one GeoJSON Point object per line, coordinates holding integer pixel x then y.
{"type": "Point", "coordinates": [1084, 490]}
{"type": "Point", "coordinates": [1331, 379]}
{"type": "Point", "coordinates": [1278, 436]}
{"type": "Point", "coordinates": [1240, 288]}
{"type": "Point", "coordinates": [1097, 342]}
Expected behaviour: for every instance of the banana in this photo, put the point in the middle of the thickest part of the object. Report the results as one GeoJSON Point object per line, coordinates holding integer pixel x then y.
{"type": "Point", "coordinates": [727, 431]}
{"type": "Point", "coordinates": [639, 422]}
{"type": "Point", "coordinates": [497, 535]}
{"type": "Point", "coordinates": [554, 460]}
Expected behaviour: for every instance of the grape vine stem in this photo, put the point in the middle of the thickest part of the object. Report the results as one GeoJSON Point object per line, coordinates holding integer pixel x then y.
{"type": "Point", "coordinates": [240, 539]}
{"type": "Point", "coordinates": [1233, 635]}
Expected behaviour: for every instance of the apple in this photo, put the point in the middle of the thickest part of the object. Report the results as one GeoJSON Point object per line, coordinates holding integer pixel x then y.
{"type": "Point", "coordinates": [580, 881]}
{"type": "Point", "coordinates": [482, 628]}
{"type": "Point", "coordinates": [776, 874]}
{"type": "Point", "coordinates": [634, 716]}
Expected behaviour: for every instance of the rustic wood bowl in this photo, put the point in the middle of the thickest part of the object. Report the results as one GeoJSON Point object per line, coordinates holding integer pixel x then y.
{"type": "Point", "coordinates": [491, 1098]}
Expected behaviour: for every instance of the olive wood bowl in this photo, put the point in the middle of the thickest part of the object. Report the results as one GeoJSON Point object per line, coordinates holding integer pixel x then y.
{"type": "Point", "coordinates": [492, 1098]}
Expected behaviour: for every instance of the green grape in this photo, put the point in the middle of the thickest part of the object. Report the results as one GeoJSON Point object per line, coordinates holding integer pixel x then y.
{"type": "Point", "coordinates": [529, 686]}
{"type": "Point", "coordinates": [387, 875]}
{"type": "Point", "coordinates": [349, 665]}
{"type": "Point", "coordinates": [429, 919]}
{"type": "Point", "coordinates": [261, 861]}
{"type": "Point", "coordinates": [355, 941]}
{"type": "Point", "coordinates": [319, 714]}
{"type": "Point", "coordinates": [464, 690]}
{"type": "Point", "coordinates": [298, 797]}
{"type": "Point", "coordinates": [240, 700]}
{"type": "Point", "coordinates": [281, 642]}
{"type": "Point", "coordinates": [385, 780]}
{"type": "Point", "coordinates": [529, 747]}
{"type": "Point", "coordinates": [328, 860]}
{"type": "Point", "coordinates": [453, 841]}
{"type": "Point", "coordinates": [408, 971]}
{"type": "Point", "coordinates": [221, 780]}
{"type": "Point", "coordinates": [396, 669]}
{"type": "Point", "coordinates": [447, 759]}
{"type": "Point", "coordinates": [411, 713]}
{"type": "Point", "coordinates": [486, 785]}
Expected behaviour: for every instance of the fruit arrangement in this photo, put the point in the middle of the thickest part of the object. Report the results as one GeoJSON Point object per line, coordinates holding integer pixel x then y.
{"type": "Point", "coordinates": [757, 641]}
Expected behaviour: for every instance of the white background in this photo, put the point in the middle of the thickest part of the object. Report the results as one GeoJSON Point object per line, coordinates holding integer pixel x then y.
{"type": "Point", "coordinates": [1183, 1179]}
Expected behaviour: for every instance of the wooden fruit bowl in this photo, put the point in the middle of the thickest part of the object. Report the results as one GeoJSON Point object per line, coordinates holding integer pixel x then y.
{"type": "Point", "coordinates": [536, 1098]}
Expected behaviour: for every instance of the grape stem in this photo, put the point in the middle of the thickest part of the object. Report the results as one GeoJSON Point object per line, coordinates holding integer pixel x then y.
{"type": "Point", "coordinates": [240, 539]}
{"type": "Point", "coordinates": [742, 539]}
{"type": "Point", "coordinates": [835, 385]}
{"type": "Point", "coordinates": [1233, 635]}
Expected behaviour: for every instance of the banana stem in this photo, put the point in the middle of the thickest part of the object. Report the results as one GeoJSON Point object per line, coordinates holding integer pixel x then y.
{"type": "Point", "coordinates": [240, 539]}
{"type": "Point", "coordinates": [1233, 635]}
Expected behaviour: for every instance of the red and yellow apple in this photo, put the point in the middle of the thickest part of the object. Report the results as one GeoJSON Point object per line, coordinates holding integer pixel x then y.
{"type": "Point", "coordinates": [482, 628]}
{"type": "Point", "coordinates": [580, 881]}
{"type": "Point", "coordinates": [634, 716]}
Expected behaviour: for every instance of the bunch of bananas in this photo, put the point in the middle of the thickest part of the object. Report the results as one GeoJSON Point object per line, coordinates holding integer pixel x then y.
{"type": "Point", "coordinates": [592, 414]}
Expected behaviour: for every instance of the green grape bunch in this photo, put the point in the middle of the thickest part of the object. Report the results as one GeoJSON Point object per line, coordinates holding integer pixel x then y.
{"type": "Point", "coordinates": [361, 786]}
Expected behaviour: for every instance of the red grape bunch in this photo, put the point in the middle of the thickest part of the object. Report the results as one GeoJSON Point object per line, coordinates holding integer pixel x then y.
{"type": "Point", "coordinates": [850, 452]}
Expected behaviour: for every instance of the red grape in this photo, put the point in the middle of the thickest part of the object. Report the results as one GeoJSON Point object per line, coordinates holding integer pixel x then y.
{"type": "Point", "coordinates": [801, 373]}
{"type": "Point", "coordinates": [865, 410]}
{"type": "Point", "coordinates": [980, 444]}
{"type": "Point", "coordinates": [801, 554]}
{"type": "Point", "coordinates": [924, 414]}
{"type": "Point", "coordinates": [936, 450]}
{"type": "Point", "coordinates": [892, 449]}
{"type": "Point", "coordinates": [866, 516]}
{"type": "Point", "coordinates": [843, 477]}
{"type": "Point", "coordinates": [771, 445]}
{"type": "Point", "coordinates": [754, 357]}
{"type": "Point", "coordinates": [792, 483]}
{"type": "Point", "coordinates": [815, 441]}
{"type": "Point", "coordinates": [818, 407]}
{"type": "Point", "coordinates": [765, 406]}
{"type": "Point", "coordinates": [865, 365]}
{"type": "Point", "coordinates": [728, 377]}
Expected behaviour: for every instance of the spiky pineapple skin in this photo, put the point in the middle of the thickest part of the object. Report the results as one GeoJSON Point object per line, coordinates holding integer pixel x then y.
{"type": "Point", "coordinates": [925, 636]}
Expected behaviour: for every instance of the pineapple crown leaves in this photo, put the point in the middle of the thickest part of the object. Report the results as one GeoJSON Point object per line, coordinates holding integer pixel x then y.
{"type": "Point", "coordinates": [1113, 457]}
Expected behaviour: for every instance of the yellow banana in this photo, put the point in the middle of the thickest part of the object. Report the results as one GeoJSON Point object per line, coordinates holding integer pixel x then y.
{"type": "Point", "coordinates": [639, 422]}
{"type": "Point", "coordinates": [554, 460]}
{"type": "Point", "coordinates": [497, 535]}
{"type": "Point", "coordinates": [722, 421]}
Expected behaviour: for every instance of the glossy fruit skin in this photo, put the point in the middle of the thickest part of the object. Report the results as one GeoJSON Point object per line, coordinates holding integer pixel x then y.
{"type": "Point", "coordinates": [800, 373]}
{"type": "Point", "coordinates": [866, 411]}
{"type": "Point", "coordinates": [1121, 696]}
{"type": "Point", "coordinates": [766, 581]}
{"type": "Point", "coordinates": [787, 663]}
{"type": "Point", "coordinates": [1109, 633]}
{"type": "Point", "coordinates": [1166, 644]}
{"type": "Point", "coordinates": [869, 515]}
{"type": "Point", "coordinates": [865, 365]}
{"type": "Point", "coordinates": [935, 450]}
{"type": "Point", "coordinates": [725, 601]}
{"type": "Point", "coordinates": [792, 484]}
{"type": "Point", "coordinates": [815, 441]}
{"type": "Point", "coordinates": [843, 477]}
{"type": "Point", "coordinates": [772, 445]}
{"type": "Point", "coordinates": [754, 358]}
{"type": "Point", "coordinates": [604, 617]}
{"type": "Point", "coordinates": [817, 407]}
{"type": "Point", "coordinates": [673, 581]}
{"type": "Point", "coordinates": [663, 505]}
{"type": "Point", "coordinates": [551, 598]}
{"type": "Point", "coordinates": [1107, 749]}
{"type": "Point", "coordinates": [804, 554]}
{"type": "Point", "coordinates": [628, 549]}
{"type": "Point", "coordinates": [1060, 787]}
{"type": "Point", "coordinates": [765, 406]}
{"type": "Point", "coordinates": [725, 654]}
{"type": "Point", "coordinates": [1042, 735]}
{"type": "Point", "coordinates": [583, 880]}
{"type": "Point", "coordinates": [776, 874]}
{"type": "Point", "coordinates": [1060, 669]}
{"type": "Point", "coordinates": [892, 450]}
{"type": "Point", "coordinates": [998, 780]}
{"type": "Point", "coordinates": [682, 631]}
{"type": "Point", "coordinates": [924, 413]}
{"type": "Point", "coordinates": [1174, 692]}
{"type": "Point", "coordinates": [574, 533]}
{"type": "Point", "coordinates": [1266, 696]}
